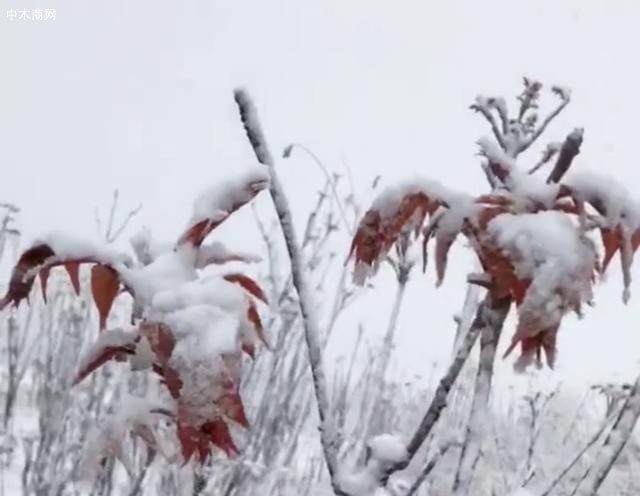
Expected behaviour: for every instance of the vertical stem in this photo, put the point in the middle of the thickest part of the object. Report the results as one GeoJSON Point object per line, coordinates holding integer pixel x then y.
{"type": "Point", "coordinates": [489, 337]}
{"type": "Point", "coordinates": [254, 132]}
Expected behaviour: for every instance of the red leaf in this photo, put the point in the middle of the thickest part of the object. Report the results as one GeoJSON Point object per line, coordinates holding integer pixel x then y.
{"type": "Point", "coordinates": [193, 439]}
{"type": "Point", "coordinates": [231, 406]}
{"type": "Point", "coordinates": [190, 440]}
{"type": "Point", "coordinates": [196, 233]}
{"type": "Point", "coordinates": [73, 269]}
{"type": "Point", "coordinates": [248, 284]}
{"type": "Point", "coordinates": [254, 318]}
{"type": "Point", "coordinates": [106, 354]}
{"type": "Point", "coordinates": [612, 242]}
{"type": "Point", "coordinates": [443, 245]}
{"type": "Point", "coordinates": [104, 287]}
{"type": "Point", "coordinates": [44, 278]}
{"type": "Point", "coordinates": [377, 234]}
{"type": "Point", "coordinates": [24, 274]}
{"type": "Point", "coordinates": [171, 379]}
{"type": "Point", "coordinates": [162, 343]}
{"type": "Point", "coordinates": [219, 435]}
{"type": "Point", "coordinates": [249, 349]}
{"type": "Point", "coordinates": [160, 339]}
{"type": "Point", "coordinates": [532, 346]}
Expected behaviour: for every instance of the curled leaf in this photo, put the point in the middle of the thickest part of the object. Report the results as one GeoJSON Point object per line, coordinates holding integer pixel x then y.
{"type": "Point", "coordinates": [248, 284]}
{"type": "Point", "coordinates": [24, 274]}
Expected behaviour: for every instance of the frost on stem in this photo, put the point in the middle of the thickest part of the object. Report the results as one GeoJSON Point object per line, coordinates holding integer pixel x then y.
{"type": "Point", "coordinates": [190, 331]}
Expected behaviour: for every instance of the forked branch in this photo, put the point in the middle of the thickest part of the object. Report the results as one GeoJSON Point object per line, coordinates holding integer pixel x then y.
{"type": "Point", "coordinates": [565, 98]}
{"type": "Point", "coordinates": [487, 315]}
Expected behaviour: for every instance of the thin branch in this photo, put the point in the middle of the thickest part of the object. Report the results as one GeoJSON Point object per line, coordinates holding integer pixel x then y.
{"type": "Point", "coordinates": [481, 106]}
{"type": "Point", "coordinates": [565, 99]}
{"type": "Point", "coordinates": [579, 455]}
{"type": "Point", "coordinates": [112, 213]}
{"type": "Point", "coordinates": [615, 441]}
{"type": "Point", "coordinates": [428, 468]}
{"type": "Point", "coordinates": [314, 157]}
{"type": "Point", "coordinates": [125, 222]}
{"type": "Point", "coordinates": [549, 152]}
{"type": "Point", "coordinates": [254, 132]}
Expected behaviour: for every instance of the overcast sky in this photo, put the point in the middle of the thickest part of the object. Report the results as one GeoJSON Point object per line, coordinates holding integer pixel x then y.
{"type": "Point", "coordinates": [138, 96]}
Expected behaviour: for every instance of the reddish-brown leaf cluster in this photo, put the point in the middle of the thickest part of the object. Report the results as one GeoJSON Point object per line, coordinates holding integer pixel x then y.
{"type": "Point", "coordinates": [377, 233]}
{"type": "Point", "coordinates": [38, 261]}
{"type": "Point", "coordinates": [154, 341]}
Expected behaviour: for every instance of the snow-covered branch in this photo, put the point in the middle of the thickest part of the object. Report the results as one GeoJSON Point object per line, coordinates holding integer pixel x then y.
{"type": "Point", "coordinates": [471, 448]}
{"type": "Point", "coordinates": [484, 106]}
{"type": "Point", "coordinates": [569, 150]}
{"type": "Point", "coordinates": [254, 132]}
{"type": "Point", "coordinates": [565, 97]}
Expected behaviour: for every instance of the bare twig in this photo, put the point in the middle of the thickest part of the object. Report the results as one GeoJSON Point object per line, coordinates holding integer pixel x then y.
{"type": "Point", "coordinates": [330, 180]}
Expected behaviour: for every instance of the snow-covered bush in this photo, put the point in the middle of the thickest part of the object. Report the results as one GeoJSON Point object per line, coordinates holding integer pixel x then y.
{"type": "Point", "coordinates": [188, 329]}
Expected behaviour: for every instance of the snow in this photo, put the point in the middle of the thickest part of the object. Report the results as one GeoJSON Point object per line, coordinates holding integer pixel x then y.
{"type": "Point", "coordinates": [613, 197]}
{"type": "Point", "coordinates": [146, 247]}
{"type": "Point", "coordinates": [547, 248]}
{"type": "Point", "coordinates": [134, 414]}
{"type": "Point", "coordinates": [217, 252]}
{"type": "Point", "coordinates": [525, 187]}
{"type": "Point", "coordinates": [167, 271]}
{"type": "Point", "coordinates": [486, 103]}
{"type": "Point", "coordinates": [534, 239]}
{"type": "Point", "coordinates": [107, 339]}
{"type": "Point", "coordinates": [220, 199]}
{"type": "Point", "coordinates": [449, 222]}
{"type": "Point", "coordinates": [211, 330]}
{"type": "Point", "coordinates": [563, 92]}
{"type": "Point", "coordinates": [212, 290]}
{"type": "Point", "coordinates": [203, 334]}
{"type": "Point", "coordinates": [360, 482]}
{"type": "Point", "coordinates": [391, 197]}
{"type": "Point", "coordinates": [388, 448]}
{"type": "Point", "coordinates": [494, 153]}
{"type": "Point", "coordinates": [67, 247]}
{"type": "Point", "coordinates": [143, 357]}
{"type": "Point", "coordinates": [521, 491]}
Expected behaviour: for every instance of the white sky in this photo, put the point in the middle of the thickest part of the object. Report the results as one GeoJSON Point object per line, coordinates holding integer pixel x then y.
{"type": "Point", "coordinates": [138, 96]}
